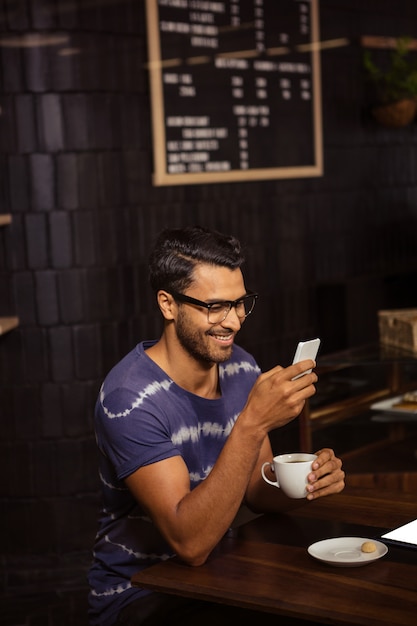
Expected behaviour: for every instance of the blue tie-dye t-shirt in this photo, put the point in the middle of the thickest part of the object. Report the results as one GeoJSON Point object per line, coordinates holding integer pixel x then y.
{"type": "Point", "coordinates": [142, 417]}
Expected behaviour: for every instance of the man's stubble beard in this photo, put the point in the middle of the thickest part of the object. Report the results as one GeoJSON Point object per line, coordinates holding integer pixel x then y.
{"type": "Point", "coordinates": [195, 342]}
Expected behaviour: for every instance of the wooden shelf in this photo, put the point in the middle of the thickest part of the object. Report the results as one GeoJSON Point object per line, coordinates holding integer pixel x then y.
{"type": "Point", "coordinates": [8, 323]}
{"type": "Point", "coordinates": [5, 219]}
{"type": "Point", "coordinates": [387, 43]}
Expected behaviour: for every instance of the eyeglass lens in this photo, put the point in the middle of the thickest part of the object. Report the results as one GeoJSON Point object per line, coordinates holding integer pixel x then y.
{"type": "Point", "coordinates": [219, 311]}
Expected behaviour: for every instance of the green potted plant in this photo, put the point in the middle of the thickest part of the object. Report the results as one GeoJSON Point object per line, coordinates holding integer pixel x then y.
{"type": "Point", "coordinates": [395, 85]}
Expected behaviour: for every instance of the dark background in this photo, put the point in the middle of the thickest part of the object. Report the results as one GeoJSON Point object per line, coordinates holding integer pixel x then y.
{"type": "Point", "coordinates": [75, 172]}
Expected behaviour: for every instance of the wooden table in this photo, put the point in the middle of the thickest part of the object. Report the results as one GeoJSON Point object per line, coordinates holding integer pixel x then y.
{"type": "Point", "coordinates": [264, 565]}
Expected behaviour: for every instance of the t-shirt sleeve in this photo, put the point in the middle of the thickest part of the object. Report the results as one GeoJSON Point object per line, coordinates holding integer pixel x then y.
{"type": "Point", "coordinates": [130, 433]}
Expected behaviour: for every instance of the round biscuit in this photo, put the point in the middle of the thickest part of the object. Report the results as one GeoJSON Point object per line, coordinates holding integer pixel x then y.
{"type": "Point", "coordinates": [368, 546]}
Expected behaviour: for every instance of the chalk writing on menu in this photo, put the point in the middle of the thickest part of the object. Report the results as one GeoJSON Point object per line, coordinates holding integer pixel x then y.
{"type": "Point", "coordinates": [235, 90]}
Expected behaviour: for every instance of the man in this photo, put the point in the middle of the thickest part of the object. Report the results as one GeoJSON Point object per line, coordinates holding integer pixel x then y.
{"type": "Point", "coordinates": [182, 429]}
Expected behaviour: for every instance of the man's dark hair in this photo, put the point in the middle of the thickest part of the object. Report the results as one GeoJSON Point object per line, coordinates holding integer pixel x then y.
{"type": "Point", "coordinates": [177, 252]}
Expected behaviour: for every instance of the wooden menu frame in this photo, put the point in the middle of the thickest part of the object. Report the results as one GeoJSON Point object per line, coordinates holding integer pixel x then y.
{"type": "Point", "coordinates": [158, 67]}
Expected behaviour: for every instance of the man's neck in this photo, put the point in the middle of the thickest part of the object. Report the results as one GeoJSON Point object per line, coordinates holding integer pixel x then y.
{"type": "Point", "coordinates": [201, 379]}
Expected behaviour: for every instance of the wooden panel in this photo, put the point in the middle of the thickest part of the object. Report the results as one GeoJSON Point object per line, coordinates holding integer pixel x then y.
{"type": "Point", "coordinates": [5, 219]}
{"type": "Point", "coordinates": [8, 323]}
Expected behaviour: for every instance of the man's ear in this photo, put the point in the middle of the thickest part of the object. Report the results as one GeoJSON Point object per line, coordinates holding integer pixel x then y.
{"type": "Point", "coordinates": [167, 304]}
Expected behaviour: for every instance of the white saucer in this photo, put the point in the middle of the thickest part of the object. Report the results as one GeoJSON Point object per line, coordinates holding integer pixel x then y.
{"type": "Point", "coordinates": [346, 551]}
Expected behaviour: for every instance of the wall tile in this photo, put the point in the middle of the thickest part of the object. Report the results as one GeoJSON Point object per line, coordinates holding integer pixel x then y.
{"type": "Point", "coordinates": [67, 181]}
{"type": "Point", "coordinates": [61, 239]}
{"type": "Point", "coordinates": [128, 335]}
{"type": "Point", "coordinates": [11, 361]}
{"type": "Point", "coordinates": [46, 298]}
{"type": "Point", "coordinates": [133, 128]}
{"type": "Point", "coordinates": [135, 17]}
{"type": "Point", "coordinates": [138, 168]}
{"type": "Point", "coordinates": [67, 15]}
{"type": "Point", "coordinates": [114, 18]}
{"type": "Point", "coordinates": [26, 412]}
{"type": "Point", "coordinates": [7, 422]}
{"type": "Point", "coordinates": [76, 129]}
{"type": "Point", "coordinates": [45, 464]}
{"type": "Point", "coordinates": [5, 466]}
{"type": "Point", "coordinates": [61, 354]}
{"type": "Point", "coordinates": [43, 15]}
{"type": "Point", "coordinates": [145, 298]}
{"type": "Point", "coordinates": [84, 239]}
{"type": "Point", "coordinates": [70, 477]}
{"type": "Point", "coordinates": [80, 519]}
{"type": "Point", "coordinates": [65, 66]}
{"type": "Point", "coordinates": [12, 69]}
{"type": "Point", "coordinates": [50, 123]}
{"type": "Point", "coordinates": [40, 533]}
{"type": "Point", "coordinates": [87, 520]}
{"type": "Point", "coordinates": [26, 123]}
{"type": "Point", "coordinates": [90, 69]}
{"type": "Point", "coordinates": [52, 411]}
{"type": "Point", "coordinates": [4, 195]}
{"type": "Point", "coordinates": [37, 69]}
{"type": "Point", "coordinates": [127, 235]}
{"type": "Point", "coordinates": [14, 244]}
{"type": "Point", "coordinates": [42, 181]}
{"type": "Point", "coordinates": [89, 464]}
{"type": "Point", "coordinates": [70, 296]}
{"type": "Point", "coordinates": [106, 237]}
{"type": "Point", "coordinates": [90, 17]}
{"type": "Point", "coordinates": [109, 340]}
{"type": "Point", "coordinates": [100, 121]}
{"type": "Point", "coordinates": [6, 306]}
{"type": "Point", "coordinates": [113, 77]}
{"type": "Point", "coordinates": [18, 183]}
{"type": "Point", "coordinates": [36, 241]}
{"type": "Point", "coordinates": [88, 180]}
{"type": "Point", "coordinates": [34, 354]}
{"type": "Point", "coordinates": [95, 294]}
{"type": "Point", "coordinates": [21, 467]}
{"type": "Point", "coordinates": [17, 14]}
{"type": "Point", "coordinates": [7, 125]}
{"type": "Point", "coordinates": [87, 352]}
{"type": "Point", "coordinates": [25, 298]}
{"type": "Point", "coordinates": [76, 409]}
{"type": "Point", "coordinates": [110, 180]}
{"type": "Point", "coordinates": [120, 288]}
{"type": "Point", "coordinates": [15, 536]}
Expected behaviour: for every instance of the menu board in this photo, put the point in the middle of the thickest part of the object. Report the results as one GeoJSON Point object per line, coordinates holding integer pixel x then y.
{"type": "Point", "coordinates": [235, 90]}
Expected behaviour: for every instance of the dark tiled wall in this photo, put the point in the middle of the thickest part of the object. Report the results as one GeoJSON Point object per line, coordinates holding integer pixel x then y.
{"type": "Point", "coordinates": [75, 172]}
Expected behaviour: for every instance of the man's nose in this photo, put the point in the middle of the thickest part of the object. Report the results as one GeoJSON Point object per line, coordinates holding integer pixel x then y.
{"type": "Point", "coordinates": [232, 320]}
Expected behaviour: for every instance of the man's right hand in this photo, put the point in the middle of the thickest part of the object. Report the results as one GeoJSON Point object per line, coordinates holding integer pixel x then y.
{"type": "Point", "coordinates": [276, 399]}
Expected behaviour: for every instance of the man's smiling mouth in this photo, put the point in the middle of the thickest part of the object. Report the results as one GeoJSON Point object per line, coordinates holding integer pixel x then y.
{"type": "Point", "coordinates": [221, 337]}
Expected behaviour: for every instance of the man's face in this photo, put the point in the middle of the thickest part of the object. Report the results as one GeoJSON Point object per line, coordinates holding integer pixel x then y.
{"type": "Point", "coordinates": [210, 343]}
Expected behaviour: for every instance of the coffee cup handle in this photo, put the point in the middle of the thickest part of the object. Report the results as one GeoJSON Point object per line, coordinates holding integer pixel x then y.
{"type": "Point", "coordinates": [271, 482]}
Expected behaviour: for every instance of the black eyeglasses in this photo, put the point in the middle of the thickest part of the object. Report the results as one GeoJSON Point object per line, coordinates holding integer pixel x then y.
{"type": "Point", "coordinates": [218, 311]}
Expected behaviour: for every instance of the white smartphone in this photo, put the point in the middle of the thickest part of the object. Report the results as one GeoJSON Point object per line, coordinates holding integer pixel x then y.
{"type": "Point", "coordinates": [306, 350]}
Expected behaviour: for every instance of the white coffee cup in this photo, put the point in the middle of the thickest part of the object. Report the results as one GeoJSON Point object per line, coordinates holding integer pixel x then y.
{"type": "Point", "coordinates": [291, 471]}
